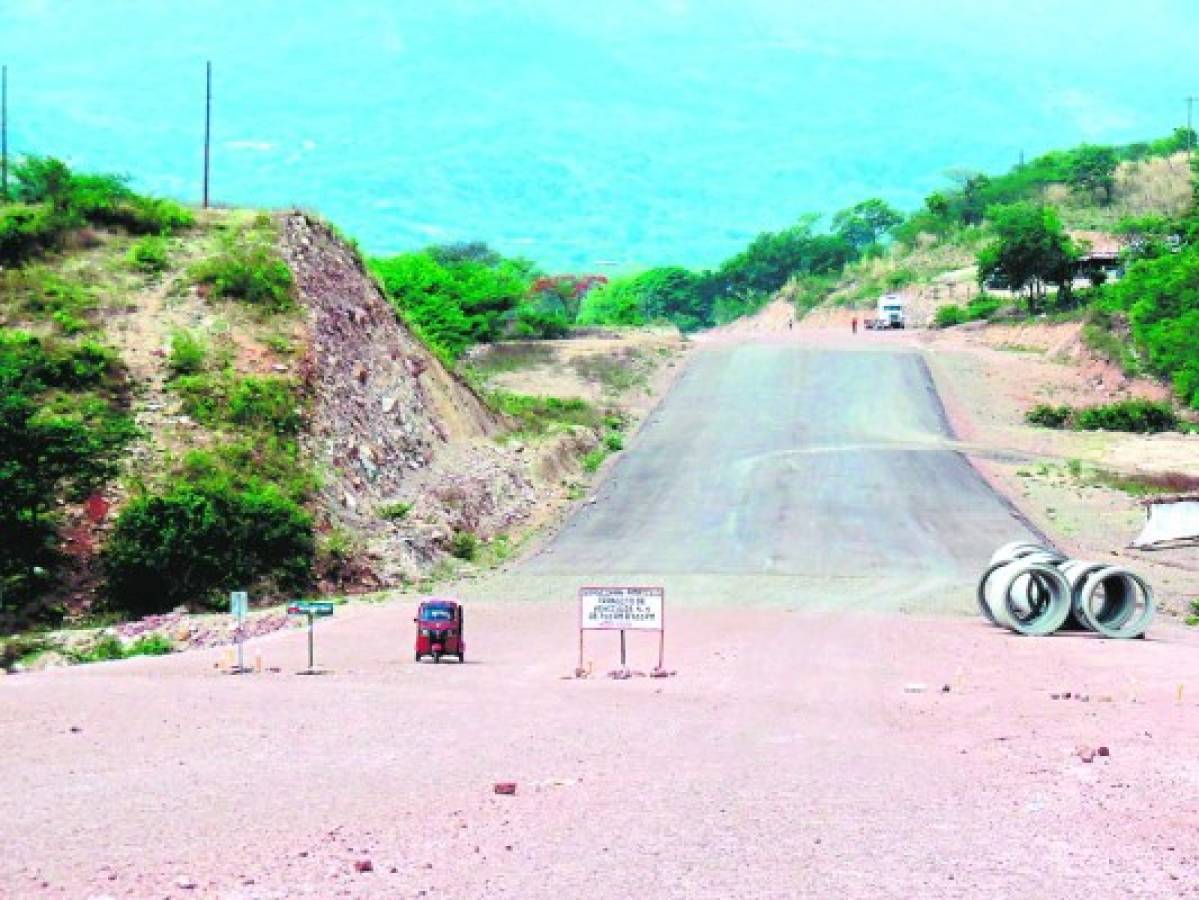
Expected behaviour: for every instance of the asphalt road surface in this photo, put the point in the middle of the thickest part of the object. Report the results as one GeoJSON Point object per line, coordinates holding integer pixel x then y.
{"type": "Point", "coordinates": [786, 473]}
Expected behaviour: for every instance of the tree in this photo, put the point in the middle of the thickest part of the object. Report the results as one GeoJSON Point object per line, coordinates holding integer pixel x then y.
{"type": "Point", "coordinates": [616, 303]}
{"type": "Point", "coordinates": [1092, 169]}
{"type": "Point", "coordinates": [1030, 250]}
{"type": "Point", "coordinates": [866, 223]}
{"type": "Point", "coordinates": [771, 259]}
{"type": "Point", "coordinates": [60, 436]}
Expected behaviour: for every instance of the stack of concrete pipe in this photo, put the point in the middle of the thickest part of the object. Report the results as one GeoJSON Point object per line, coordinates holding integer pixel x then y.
{"type": "Point", "coordinates": [1035, 590]}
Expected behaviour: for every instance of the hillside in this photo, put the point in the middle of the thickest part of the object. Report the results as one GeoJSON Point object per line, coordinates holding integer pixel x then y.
{"type": "Point", "coordinates": [251, 412]}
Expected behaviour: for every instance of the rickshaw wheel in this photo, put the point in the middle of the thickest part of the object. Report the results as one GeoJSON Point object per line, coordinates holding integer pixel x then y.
{"type": "Point", "coordinates": [436, 657]}
{"type": "Point", "coordinates": [418, 656]}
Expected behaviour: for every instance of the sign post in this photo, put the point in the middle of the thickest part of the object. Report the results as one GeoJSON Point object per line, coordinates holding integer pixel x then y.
{"type": "Point", "coordinates": [239, 607]}
{"type": "Point", "coordinates": [623, 609]}
{"type": "Point", "coordinates": [313, 609]}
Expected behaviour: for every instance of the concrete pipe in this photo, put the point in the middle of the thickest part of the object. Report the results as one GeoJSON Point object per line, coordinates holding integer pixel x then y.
{"type": "Point", "coordinates": [1115, 602]}
{"type": "Point", "coordinates": [1030, 598]}
{"type": "Point", "coordinates": [1023, 550]}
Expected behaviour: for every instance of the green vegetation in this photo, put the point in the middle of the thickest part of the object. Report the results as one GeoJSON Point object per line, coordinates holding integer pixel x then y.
{"type": "Point", "coordinates": [464, 545]}
{"type": "Point", "coordinates": [189, 353]}
{"type": "Point", "coordinates": [1160, 298]}
{"type": "Point", "coordinates": [53, 201]}
{"type": "Point", "coordinates": [63, 427]}
{"type": "Point", "coordinates": [269, 403]}
{"type": "Point", "coordinates": [454, 297]}
{"type": "Point", "coordinates": [1137, 416]}
{"type": "Point", "coordinates": [150, 254]}
{"type": "Point", "coordinates": [36, 292]}
{"type": "Point", "coordinates": [1030, 251]}
{"type": "Point", "coordinates": [535, 416]}
{"type": "Point", "coordinates": [246, 267]}
{"type": "Point", "coordinates": [197, 540]}
{"type": "Point", "coordinates": [395, 511]}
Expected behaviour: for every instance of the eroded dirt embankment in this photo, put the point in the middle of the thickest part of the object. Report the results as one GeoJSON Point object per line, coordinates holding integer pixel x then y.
{"type": "Point", "coordinates": [390, 425]}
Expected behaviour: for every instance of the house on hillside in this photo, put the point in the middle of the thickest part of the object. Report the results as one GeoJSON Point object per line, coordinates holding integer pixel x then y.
{"type": "Point", "coordinates": [1100, 252]}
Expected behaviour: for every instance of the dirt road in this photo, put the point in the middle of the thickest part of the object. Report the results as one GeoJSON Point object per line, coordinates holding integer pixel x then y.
{"type": "Point", "coordinates": [819, 744]}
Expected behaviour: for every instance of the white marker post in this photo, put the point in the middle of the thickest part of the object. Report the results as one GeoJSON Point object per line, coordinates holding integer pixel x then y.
{"type": "Point", "coordinates": [623, 609]}
{"type": "Point", "coordinates": [239, 607]}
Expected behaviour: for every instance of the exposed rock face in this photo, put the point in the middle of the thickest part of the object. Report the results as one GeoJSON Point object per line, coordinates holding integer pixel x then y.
{"type": "Point", "coordinates": [390, 424]}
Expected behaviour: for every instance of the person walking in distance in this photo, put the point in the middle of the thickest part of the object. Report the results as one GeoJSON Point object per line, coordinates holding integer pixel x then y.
{"type": "Point", "coordinates": [855, 325]}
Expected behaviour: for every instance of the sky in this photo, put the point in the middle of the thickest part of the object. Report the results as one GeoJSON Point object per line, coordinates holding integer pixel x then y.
{"type": "Point", "coordinates": [585, 135]}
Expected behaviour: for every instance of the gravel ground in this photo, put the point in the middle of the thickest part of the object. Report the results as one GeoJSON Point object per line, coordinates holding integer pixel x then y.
{"type": "Point", "coordinates": [793, 754]}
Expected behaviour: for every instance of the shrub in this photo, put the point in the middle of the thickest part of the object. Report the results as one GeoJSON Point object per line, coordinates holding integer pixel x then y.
{"type": "Point", "coordinates": [1136, 416]}
{"type": "Point", "coordinates": [196, 541]}
{"type": "Point", "coordinates": [189, 353]}
{"type": "Point", "coordinates": [149, 254]}
{"type": "Point", "coordinates": [1139, 416]}
{"type": "Point", "coordinates": [593, 459]}
{"type": "Point", "coordinates": [1049, 416]}
{"type": "Point", "coordinates": [249, 272]}
{"type": "Point", "coordinates": [539, 415]}
{"type": "Point", "coordinates": [395, 511]}
{"type": "Point", "coordinates": [151, 645]}
{"type": "Point", "coordinates": [464, 545]}
{"type": "Point", "coordinates": [614, 441]}
{"type": "Point", "coordinates": [949, 315]}
{"type": "Point", "coordinates": [267, 403]}
{"type": "Point", "coordinates": [105, 647]}
{"type": "Point", "coordinates": [26, 231]}
{"type": "Point", "coordinates": [983, 306]}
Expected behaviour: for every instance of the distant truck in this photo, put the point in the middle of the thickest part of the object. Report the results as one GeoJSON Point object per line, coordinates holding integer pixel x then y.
{"type": "Point", "coordinates": [890, 313]}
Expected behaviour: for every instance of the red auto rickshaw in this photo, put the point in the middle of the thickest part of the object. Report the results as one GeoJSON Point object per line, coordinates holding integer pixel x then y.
{"type": "Point", "coordinates": [439, 629]}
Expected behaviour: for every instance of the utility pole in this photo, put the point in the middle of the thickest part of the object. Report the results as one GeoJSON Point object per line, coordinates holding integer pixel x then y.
{"type": "Point", "coordinates": [3, 134]}
{"type": "Point", "coordinates": [1190, 131]}
{"type": "Point", "coordinates": [207, 126]}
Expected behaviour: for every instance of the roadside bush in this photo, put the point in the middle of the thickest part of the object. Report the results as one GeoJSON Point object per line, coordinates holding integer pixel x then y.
{"type": "Point", "coordinates": [464, 545]}
{"type": "Point", "coordinates": [149, 255]}
{"type": "Point", "coordinates": [1134, 416]}
{"type": "Point", "coordinates": [1139, 416]}
{"type": "Point", "coordinates": [151, 645]}
{"type": "Point", "coordinates": [949, 315]}
{"type": "Point", "coordinates": [983, 306]}
{"type": "Point", "coordinates": [538, 415]}
{"type": "Point", "coordinates": [593, 459]}
{"type": "Point", "coordinates": [194, 542]}
{"type": "Point", "coordinates": [1049, 416]}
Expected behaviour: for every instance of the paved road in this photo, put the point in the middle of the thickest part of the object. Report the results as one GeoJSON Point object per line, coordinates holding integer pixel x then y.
{"type": "Point", "coordinates": [786, 472]}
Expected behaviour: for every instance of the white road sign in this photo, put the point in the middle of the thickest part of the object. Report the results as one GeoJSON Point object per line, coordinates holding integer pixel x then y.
{"type": "Point", "coordinates": [620, 608]}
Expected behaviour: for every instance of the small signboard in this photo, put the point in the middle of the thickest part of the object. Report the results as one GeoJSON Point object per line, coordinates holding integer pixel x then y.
{"type": "Point", "coordinates": [239, 604]}
{"type": "Point", "coordinates": [311, 608]}
{"type": "Point", "coordinates": [623, 609]}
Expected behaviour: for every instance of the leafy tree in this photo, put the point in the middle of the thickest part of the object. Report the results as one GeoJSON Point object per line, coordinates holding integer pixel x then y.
{"type": "Point", "coordinates": [773, 258]}
{"type": "Point", "coordinates": [198, 540]}
{"type": "Point", "coordinates": [1030, 250]}
{"type": "Point", "coordinates": [866, 223]}
{"type": "Point", "coordinates": [1092, 169]}
{"type": "Point", "coordinates": [452, 306]}
{"type": "Point", "coordinates": [616, 303]}
{"type": "Point", "coordinates": [1161, 297]}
